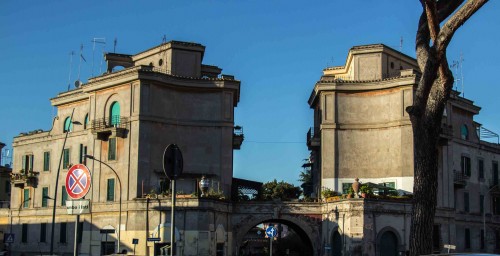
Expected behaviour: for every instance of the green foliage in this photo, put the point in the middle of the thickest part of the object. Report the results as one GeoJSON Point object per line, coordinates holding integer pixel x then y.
{"type": "Point", "coordinates": [326, 193]}
{"type": "Point", "coordinates": [364, 188]}
{"type": "Point", "coordinates": [280, 190]}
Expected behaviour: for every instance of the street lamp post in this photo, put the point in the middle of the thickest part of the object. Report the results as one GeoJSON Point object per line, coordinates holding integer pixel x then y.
{"type": "Point", "coordinates": [484, 210]}
{"type": "Point", "coordinates": [120, 204]}
{"type": "Point", "coordinates": [57, 183]}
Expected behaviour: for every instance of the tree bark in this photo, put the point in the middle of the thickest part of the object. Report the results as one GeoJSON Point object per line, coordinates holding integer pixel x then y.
{"type": "Point", "coordinates": [430, 97]}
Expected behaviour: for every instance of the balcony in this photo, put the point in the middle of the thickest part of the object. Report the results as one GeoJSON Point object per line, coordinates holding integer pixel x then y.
{"type": "Point", "coordinates": [445, 134]}
{"type": "Point", "coordinates": [104, 128]}
{"type": "Point", "coordinates": [238, 137]}
{"type": "Point", "coordinates": [20, 180]}
{"type": "Point", "coordinates": [313, 138]}
{"type": "Point", "coordinates": [459, 179]}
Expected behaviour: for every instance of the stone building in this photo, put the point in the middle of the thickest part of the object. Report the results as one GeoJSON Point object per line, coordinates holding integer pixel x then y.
{"type": "Point", "coordinates": [125, 118]}
{"type": "Point", "coordinates": [361, 130]}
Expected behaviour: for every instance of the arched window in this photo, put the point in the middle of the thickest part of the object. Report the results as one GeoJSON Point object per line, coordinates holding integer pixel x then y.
{"type": "Point", "coordinates": [464, 132]}
{"type": "Point", "coordinates": [68, 126]}
{"type": "Point", "coordinates": [86, 122]}
{"type": "Point", "coordinates": [114, 113]}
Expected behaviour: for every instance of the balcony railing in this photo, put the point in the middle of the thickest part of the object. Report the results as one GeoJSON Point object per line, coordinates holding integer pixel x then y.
{"type": "Point", "coordinates": [115, 126]}
{"type": "Point", "coordinates": [313, 137]}
{"type": "Point", "coordinates": [238, 137]}
{"type": "Point", "coordinates": [459, 178]}
{"type": "Point", "coordinates": [22, 179]}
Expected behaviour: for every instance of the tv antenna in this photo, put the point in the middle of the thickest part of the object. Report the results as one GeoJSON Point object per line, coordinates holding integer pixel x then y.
{"type": "Point", "coordinates": [80, 65]}
{"type": "Point", "coordinates": [401, 44]}
{"type": "Point", "coordinates": [459, 65]}
{"type": "Point", "coordinates": [98, 40]}
{"type": "Point", "coordinates": [115, 42]}
{"type": "Point", "coordinates": [70, 65]}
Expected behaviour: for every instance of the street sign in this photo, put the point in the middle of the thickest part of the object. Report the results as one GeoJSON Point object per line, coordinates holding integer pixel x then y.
{"type": "Point", "coordinates": [76, 207]}
{"type": "Point", "coordinates": [135, 240]}
{"type": "Point", "coordinates": [78, 181]}
{"type": "Point", "coordinates": [107, 231]}
{"type": "Point", "coordinates": [172, 161]}
{"type": "Point", "coordinates": [154, 239]}
{"type": "Point", "coordinates": [8, 238]}
{"type": "Point", "coordinates": [271, 232]}
{"type": "Point", "coordinates": [450, 246]}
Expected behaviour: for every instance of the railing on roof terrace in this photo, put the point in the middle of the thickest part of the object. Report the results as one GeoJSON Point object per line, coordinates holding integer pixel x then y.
{"type": "Point", "coordinates": [113, 122]}
{"type": "Point", "coordinates": [484, 133]}
{"type": "Point", "coordinates": [312, 133]}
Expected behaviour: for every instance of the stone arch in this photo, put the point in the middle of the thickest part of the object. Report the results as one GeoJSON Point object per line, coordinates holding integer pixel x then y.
{"type": "Point", "coordinates": [303, 227]}
{"type": "Point", "coordinates": [384, 237]}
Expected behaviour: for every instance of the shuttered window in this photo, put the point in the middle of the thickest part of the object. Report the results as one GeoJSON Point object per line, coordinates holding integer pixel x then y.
{"type": "Point", "coordinates": [66, 158]}
{"type": "Point", "coordinates": [112, 149]}
{"type": "Point", "coordinates": [45, 194]}
{"type": "Point", "coordinates": [46, 161]}
{"type": "Point", "coordinates": [110, 196]}
{"type": "Point", "coordinates": [64, 195]}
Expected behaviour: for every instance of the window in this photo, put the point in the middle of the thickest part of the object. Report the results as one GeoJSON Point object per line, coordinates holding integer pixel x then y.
{"type": "Point", "coordinates": [26, 198]}
{"type": "Point", "coordinates": [495, 173]}
{"type": "Point", "coordinates": [80, 232]}
{"type": "Point", "coordinates": [114, 114]}
{"type": "Point", "coordinates": [220, 249]}
{"type": "Point", "coordinates": [480, 167]}
{"type": "Point", "coordinates": [46, 161]}
{"type": "Point", "coordinates": [66, 158]}
{"type": "Point", "coordinates": [86, 122]}
{"type": "Point", "coordinates": [481, 204]}
{"type": "Point", "coordinates": [7, 186]}
{"type": "Point", "coordinates": [43, 232]}
{"type": "Point", "coordinates": [28, 161]}
{"type": "Point", "coordinates": [389, 184]}
{"type": "Point", "coordinates": [45, 194]}
{"type": "Point", "coordinates": [68, 125]}
{"type": "Point", "coordinates": [83, 152]}
{"type": "Point", "coordinates": [467, 238]}
{"type": "Point", "coordinates": [346, 187]}
{"type": "Point", "coordinates": [64, 195]}
{"type": "Point", "coordinates": [112, 149]}
{"type": "Point", "coordinates": [110, 196]}
{"type": "Point", "coordinates": [466, 202]}
{"type": "Point", "coordinates": [464, 132]}
{"type": "Point", "coordinates": [62, 233]}
{"type": "Point", "coordinates": [465, 163]}
{"type": "Point", "coordinates": [496, 205]}
{"type": "Point", "coordinates": [482, 238]}
{"type": "Point", "coordinates": [24, 233]}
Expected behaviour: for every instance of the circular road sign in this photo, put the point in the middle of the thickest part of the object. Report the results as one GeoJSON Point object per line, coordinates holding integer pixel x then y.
{"type": "Point", "coordinates": [78, 181]}
{"type": "Point", "coordinates": [271, 232]}
{"type": "Point", "coordinates": [172, 161]}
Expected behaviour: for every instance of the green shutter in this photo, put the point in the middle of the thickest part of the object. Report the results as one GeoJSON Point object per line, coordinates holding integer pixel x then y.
{"type": "Point", "coordinates": [64, 196]}
{"type": "Point", "coordinates": [112, 149]}
{"type": "Point", "coordinates": [111, 190]}
{"type": "Point", "coordinates": [24, 164]}
{"type": "Point", "coordinates": [66, 158]}
{"type": "Point", "coordinates": [26, 198]}
{"type": "Point", "coordinates": [114, 114]}
{"type": "Point", "coordinates": [46, 161]}
{"type": "Point", "coordinates": [45, 194]}
{"type": "Point", "coordinates": [32, 158]}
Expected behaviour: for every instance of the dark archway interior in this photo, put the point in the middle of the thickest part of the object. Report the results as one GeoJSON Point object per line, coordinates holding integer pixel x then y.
{"type": "Point", "coordinates": [388, 244]}
{"type": "Point", "coordinates": [336, 244]}
{"type": "Point", "coordinates": [294, 243]}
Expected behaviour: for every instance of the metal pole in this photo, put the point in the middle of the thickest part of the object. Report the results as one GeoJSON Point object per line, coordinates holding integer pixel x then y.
{"type": "Point", "coordinates": [270, 246]}
{"type": "Point", "coordinates": [75, 249]}
{"type": "Point", "coordinates": [172, 221]}
{"type": "Point", "coordinates": [120, 202]}
{"type": "Point", "coordinates": [57, 184]}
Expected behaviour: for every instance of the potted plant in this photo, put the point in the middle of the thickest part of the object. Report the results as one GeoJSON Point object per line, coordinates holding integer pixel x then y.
{"type": "Point", "coordinates": [366, 191]}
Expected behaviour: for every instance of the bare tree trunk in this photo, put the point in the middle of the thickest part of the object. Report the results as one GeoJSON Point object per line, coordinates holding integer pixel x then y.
{"type": "Point", "coordinates": [430, 97]}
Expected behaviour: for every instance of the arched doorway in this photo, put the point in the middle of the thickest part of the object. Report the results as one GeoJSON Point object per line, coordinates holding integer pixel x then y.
{"type": "Point", "coordinates": [290, 240]}
{"type": "Point", "coordinates": [336, 244]}
{"type": "Point", "coordinates": [388, 244]}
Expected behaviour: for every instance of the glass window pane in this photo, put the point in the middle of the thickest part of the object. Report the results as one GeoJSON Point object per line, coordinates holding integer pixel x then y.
{"type": "Point", "coordinates": [26, 198]}
{"type": "Point", "coordinates": [111, 190]}
{"type": "Point", "coordinates": [64, 196]}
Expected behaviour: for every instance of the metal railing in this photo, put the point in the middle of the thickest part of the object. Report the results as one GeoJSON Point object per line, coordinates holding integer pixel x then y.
{"type": "Point", "coordinates": [312, 134]}
{"type": "Point", "coordinates": [113, 122]}
{"type": "Point", "coordinates": [459, 177]}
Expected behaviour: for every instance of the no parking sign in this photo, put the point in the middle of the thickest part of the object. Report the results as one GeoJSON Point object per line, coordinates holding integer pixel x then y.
{"type": "Point", "coordinates": [78, 181]}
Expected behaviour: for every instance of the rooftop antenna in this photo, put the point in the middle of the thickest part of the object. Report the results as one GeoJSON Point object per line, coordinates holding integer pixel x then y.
{"type": "Point", "coordinates": [401, 44]}
{"type": "Point", "coordinates": [114, 45]}
{"type": "Point", "coordinates": [78, 82]}
{"type": "Point", "coordinates": [70, 65]}
{"type": "Point", "coordinates": [99, 40]}
{"type": "Point", "coordinates": [462, 73]}
{"type": "Point", "coordinates": [455, 65]}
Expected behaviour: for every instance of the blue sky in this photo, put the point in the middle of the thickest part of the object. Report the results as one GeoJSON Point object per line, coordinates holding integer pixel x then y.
{"type": "Point", "coordinates": [276, 48]}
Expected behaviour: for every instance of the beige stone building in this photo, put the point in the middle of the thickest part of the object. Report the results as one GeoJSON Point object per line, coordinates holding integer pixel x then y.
{"type": "Point", "coordinates": [361, 130]}
{"type": "Point", "coordinates": [125, 118]}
